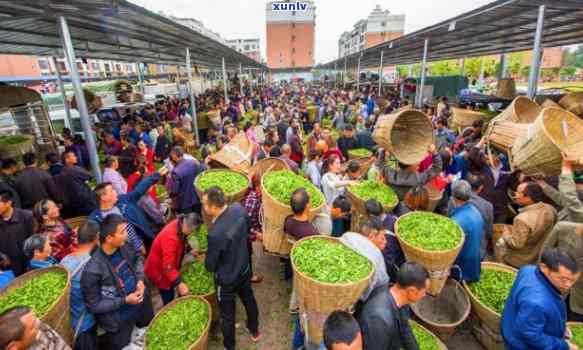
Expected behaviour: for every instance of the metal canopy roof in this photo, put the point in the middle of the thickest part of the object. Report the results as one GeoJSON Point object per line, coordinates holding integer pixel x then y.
{"type": "Point", "coordinates": [502, 26]}
{"type": "Point", "coordinates": [114, 30]}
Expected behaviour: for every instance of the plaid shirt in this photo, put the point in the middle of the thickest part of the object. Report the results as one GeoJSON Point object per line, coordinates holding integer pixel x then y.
{"type": "Point", "coordinates": [48, 339]}
{"type": "Point", "coordinates": [252, 204]}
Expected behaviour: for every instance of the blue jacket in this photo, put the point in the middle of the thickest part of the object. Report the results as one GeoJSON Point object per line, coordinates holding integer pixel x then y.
{"type": "Point", "coordinates": [370, 106]}
{"type": "Point", "coordinates": [130, 209]}
{"type": "Point", "coordinates": [181, 185]}
{"type": "Point", "coordinates": [535, 315]}
{"type": "Point", "coordinates": [472, 223]}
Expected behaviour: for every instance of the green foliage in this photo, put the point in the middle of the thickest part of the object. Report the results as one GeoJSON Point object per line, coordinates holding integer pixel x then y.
{"type": "Point", "coordinates": [429, 231]}
{"type": "Point", "coordinates": [38, 293]}
{"type": "Point", "coordinates": [577, 331]}
{"type": "Point", "coordinates": [425, 340]}
{"type": "Point", "coordinates": [198, 279]}
{"type": "Point", "coordinates": [330, 262]}
{"type": "Point", "coordinates": [229, 181]}
{"type": "Point", "coordinates": [179, 327]}
{"type": "Point", "coordinates": [199, 241]}
{"type": "Point", "coordinates": [493, 288]}
{"type": "Point", "coordinates": [360, 153]}
{"type": "Point", "coordinates": [281, 185]}
{"type": "Point", "coordinates": [13, 139]}
{"type": "Point", "coordinates": [568, 71]}
{"type": "Point", "coordinates": [375, 190]}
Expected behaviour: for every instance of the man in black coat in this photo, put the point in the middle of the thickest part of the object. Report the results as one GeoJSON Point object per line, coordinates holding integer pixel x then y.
{"type": "Point", "coordinates": [34, 184]}
{"type": "Point", "coordinates": [347, 141]}
{"type": "Point", "coordinates": [15, 228]}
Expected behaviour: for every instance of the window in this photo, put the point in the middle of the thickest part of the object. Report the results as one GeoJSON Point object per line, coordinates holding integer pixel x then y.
{"type": "Point", "coordinates": [293, 38]}
{"type": "Point", "coordinates": [383, 23]}
{"type": "Point", "coordinates": [293, 25]}
{"type": "Point", "coordinates": [246, 47]}
{"type": "Point", "coordinates": [62, 66]}
{"type": "Point", "coordinates": [293, 50]}
{"type": "Point", "coordinates": [43, 64]}
{"type": "Point", "coordinates": [293, 13]}
{"type": "Point", "coordinates": [293, 63]}
{"type": "Point", "coordinates": [118, 67]}
{"type": "Point", "coordinates": [95, 66]}
{"type": "Point", "coordinates": [80, 66]}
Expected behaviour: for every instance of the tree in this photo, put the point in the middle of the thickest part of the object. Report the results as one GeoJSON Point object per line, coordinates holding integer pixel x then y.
{"type": "Point", "coordinates": [444, 68]}
{"type": "Point", "coordinates": [525, 72]}
{"type": "Point", "coordinates": [568, 71]}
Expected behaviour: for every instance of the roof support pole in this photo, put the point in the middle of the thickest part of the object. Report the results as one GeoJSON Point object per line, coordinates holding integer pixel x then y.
{"type": "Point", "coordinates": [225, 82]}
{"type": "Point", "coordinates": [503, 66]}
{"type": "Point", "coordinates": [536, 54]}
{"type": "Point", "coordinates": [410, 73]}
{"type": "Point", "coordinates": [358, 74]}
{"type": "Point", "coordinates": [68, 119]}
{"type": "Point", "coordinates": [80, 96]}
{"type": "Point", "coordinates": [381, 75]}
{"type": "Point", "coordinates": [141, 78]}
{"type": "Point", "coordinates": [423, 68]}
{"type": "Point", "coordinates": [241, 79]}
{"type": "Point", "coordinates": [191, 94]}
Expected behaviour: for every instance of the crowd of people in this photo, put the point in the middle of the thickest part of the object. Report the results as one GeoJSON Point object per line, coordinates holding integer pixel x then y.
{"type": "Point", "coordinates": [135, 239]}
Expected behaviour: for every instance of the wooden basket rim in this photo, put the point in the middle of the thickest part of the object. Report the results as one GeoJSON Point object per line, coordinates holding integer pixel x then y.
{"type": "Point", "coordinates": [336, 241]}
{"type": "Point", "coordinates": [439, 342]}
{"type": "Point", "coordinates": [176, 302]}
{"type": "Point", "coordinates": [264, 192]}
{"type": "Point", "coordinates": [493, 266]}
{"type": "Point", "coordinates": [223, 170]}
{"type": "Point", "coordinates": [402, 241]}
{"type": "Point", "coordinates": [358, 149]}
{"type": "Point", "coordinates": [544, 117]}
{"type": "Point", "coordinates": [467, 111]}
{"type": "Point", "coordinates": [35, 273]}
{"type": "Point", "coordinates": [392, 205]}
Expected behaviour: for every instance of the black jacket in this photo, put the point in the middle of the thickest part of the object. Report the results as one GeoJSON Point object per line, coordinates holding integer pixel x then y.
{"type": "Point", "coordinates": [13, 233]}
{"type": "Point", "coordinates": [162, 147]}
{"type": "Point", "coordinates": [33, 185]}
{"type": "Point", "coordinates": [228, 250]}
{"type": "Point", "coordinates": [384, 325]}
{"type": "Point", "coordinates": [346, 144]}
{"type": "Point", "coordinates": [102, 291]}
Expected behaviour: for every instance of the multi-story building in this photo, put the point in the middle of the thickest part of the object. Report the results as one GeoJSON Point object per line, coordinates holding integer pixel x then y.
{"type": "Point", "coordinates": [291, 37]}
{"type": "Point", "coordinates": [378, 27]}
{"type": "Point", "coordinates": [198, 26]}
{"type": "Point", "coordinates": [249, 47]}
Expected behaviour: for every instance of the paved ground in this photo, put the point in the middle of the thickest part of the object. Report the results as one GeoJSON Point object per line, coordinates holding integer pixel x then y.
{"type": "Point", "coordinates": [275, 321]}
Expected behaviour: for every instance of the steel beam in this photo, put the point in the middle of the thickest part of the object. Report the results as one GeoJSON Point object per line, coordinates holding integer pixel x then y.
{"type": "Point", "coordinates": [536, 54]}
{"type": "Point", "coordinates": [191, 94]}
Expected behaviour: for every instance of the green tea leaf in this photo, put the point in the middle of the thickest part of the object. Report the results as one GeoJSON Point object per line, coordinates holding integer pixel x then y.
{"type": "Point", "coordinates": [493, 288]}
{"type": "Point", "coordinates": [425, 340]}
{"type": "Point", "coordinates": [281, 185]}
{"type": "Point", "coordinates": [375, 190]}
{"type": "Point", "coordinates": [429, 231]}
{"type": "Point", "coordinates": [229, 181]}
{"type": "Point", "coordinates": [38, 293]}
{"type": "Point", "coordinates": [360, 153]}
{"type": "Point", "coordinates": [198, 279]}
{"type": "Point", "coordinates": [577, 331]}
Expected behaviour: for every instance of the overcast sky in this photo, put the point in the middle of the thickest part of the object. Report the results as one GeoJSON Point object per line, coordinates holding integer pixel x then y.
{"type": "Point", "coordinates": [234, 19]}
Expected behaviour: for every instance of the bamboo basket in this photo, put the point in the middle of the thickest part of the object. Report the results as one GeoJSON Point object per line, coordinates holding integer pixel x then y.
{"type": "Point", "coordinates": [463, 118]}
{"type": "Point", "coordinates": [382, 103]}
{"type": "Point", "coordinates": [502, 134]}
{"type": "Point", "coordinates": [267, 164]}
{"type": "Point", "coordinates": [274, 214]}
{"type": "Point", "coordinates": [211, 298]}
{"type": "Point", "coordinates": [573, 102]}
{"type": "Point", "coordinates": [506, 88]}
{"type": "Point", "coordinates": [323, 297]}
{"type": "Point", "coordinates": [231, 198]}
{"type": "Point", "coordinates": [521, 110]}
{"type": "Point", "coordinates": [438, 263]}
{"type": "Point", "coordinates": [443, 313]}
{"type": "Point", "coordinates": [486, 315]}
{"type": "Point", "coordinates": [16, 151]}
{"type": "Point", "coordinates": [94, 102]}
{"type": "Point", "coordinates": [202, 342]}
{"type": "Point", "coordinates": [236, 155]}
{"type": "Point", "coordinates": [406, 134]}
{"type": "Point", "coordinates": [76, 222]}
{"type": "Point", "coordinates": [550, 103]}
{"type": "Point", "coordinates": [58, 316]}
{"type": "Point", "coordinates": [314, 329]}
{"type": "Point", "coordinates": [435, 197]}
{"type": "Point", "coordinates": [439, 342]}
{"type": "Point", "coordinates": [353, 156]}
{"type": "Point", "coordinates": [539, 152]}
{"type": "Point", "coordinates": [358, 203]}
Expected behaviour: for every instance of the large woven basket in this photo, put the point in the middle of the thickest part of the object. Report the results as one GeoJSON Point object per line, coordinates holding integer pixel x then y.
{"type": "Point", "coordinates": [463, 118]}
{"type": "Point", "coordinates": [267, 164]}
{"type": "Point", "coordinates": [506, 88]}
{"type": "Point", "coordinates": [502, 133]}
{"type": "Point", "coordinates": [58, 316]}
{"type": "Point", "coordinates": [407, 135]}
{"type": "Point", "coordinates": [327, 297]}
{"type": "Point", "coordinates": [550, 103]}
{"type": "Point", "coordinates": [521, 110]}
{"type": "Point", "coordinates": [439, 342]}
{"type": "Point", "coordinates": [573, 102]}
{"type": "Point", "coordinates": [16, 150]}
{"type": "Point", "coordinates": [231, 198]}
{"type": "Point", "coordinates": [76, 222]}
{"type": "Point", "coordinates": [438, 263]}
{"type": "Point", "coordinates": [211, 298]}
{"type": "Point", "coordinates": [353, 156]}
{"type": "Point", "coordinates": [236, 155]}
{"type": "Point", "coordinates": [484, 313]}
{"type": "Point", "coordinates": [202, 342]}
{"type": "Point", "coordinates": [358, 203]}
{"type": "Point", "coordinates": [443, 313]}
{"type": "Point", "coordinates": [539, 152]}
{"type": "Point", "coordinates": [274, 214]}
{"type": "Point", "coordinates": [435, 197]}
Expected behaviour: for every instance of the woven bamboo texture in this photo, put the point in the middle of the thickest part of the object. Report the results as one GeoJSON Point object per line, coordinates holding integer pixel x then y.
{"type": "Point", "coordinates": [274, 214]}
{"type": "Point", "coordinates": [93, 101]}
{"type": "Point", "coordinates": [58, 315]}
{"type": "Point", "coordinates": [439, 342]}
{"type": "Point", "coordinates": [267, 164]}
{"type": "Point", "coordinates": [550, 103]}
{"type": "Point", "coordinates": [231, 198]}
{"type": "Point", "coordinates": [486, 315]}
{"type": "Point", "coordinates": [463, 118]}
{"type": "Point", "coordinates": [315, 331]}
{"type": "Point", "coordinates": [435, 197]}
{"type": "Point", "coordinates": [76, 222]}
{"type": "Point", "coordinates": [539, 152]}
{"type": "Point", "coordinates": [407, 135]}
{"type": "Point", "coordinates": [326, 297]}
{"type": "Point", "coordinates": [202, 342]}
{"type": "Point", "coordinates": [438, 263]}
{"type": "Point", "coordinates": [521, 110]}
{"type": "Point", "coordinates": [358, 203]}
{"type": "Point", "coordinates": [573, 102]}
{"type": "Point", "coordinates": [236, 155]}
{"type": "Point", "coordinates": [16, 151]}
{"type": "Point", "coordinates": [502, 134]}
{"type": "Point", "coordinates": [506, 88]}
{"type": "Point", "coordinates": [211, 298]}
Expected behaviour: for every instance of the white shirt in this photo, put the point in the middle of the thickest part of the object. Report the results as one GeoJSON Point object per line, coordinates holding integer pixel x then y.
{"type": "Point", "coordinates": [329, 181]}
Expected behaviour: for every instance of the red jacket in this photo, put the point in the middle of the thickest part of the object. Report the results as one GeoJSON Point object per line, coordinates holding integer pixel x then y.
{"type": "Point", "coordinates": [162, 266]}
